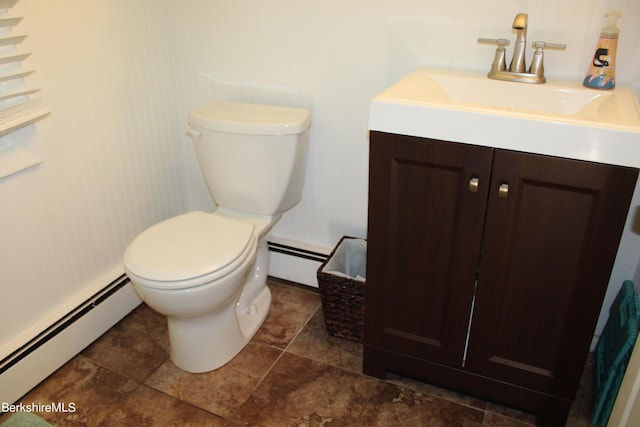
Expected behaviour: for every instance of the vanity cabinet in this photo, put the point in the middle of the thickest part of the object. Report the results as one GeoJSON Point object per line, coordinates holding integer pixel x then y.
{"type": "Point", "coordinates": [486, 268]}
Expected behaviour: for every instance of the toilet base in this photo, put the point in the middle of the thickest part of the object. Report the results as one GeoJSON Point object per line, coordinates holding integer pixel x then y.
{"type": "Point", "coordinates": [208, 342]}
{"type": "Point", "coordinates": [253, 317]}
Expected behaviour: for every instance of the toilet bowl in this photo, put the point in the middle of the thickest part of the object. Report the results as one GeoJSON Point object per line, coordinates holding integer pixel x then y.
{"type": "Point", "coordinates": [206, 272]}
{"type": "Point", "coordinates": [193, 268]}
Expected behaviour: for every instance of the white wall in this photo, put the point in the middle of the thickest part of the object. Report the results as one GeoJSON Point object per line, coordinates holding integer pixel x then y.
{"type": "Point", "coordinates": [333, 56]}
{"type": "Point", "coordinates": [111, 162]}
{"type": "Point", "coordinates": [120, 76]}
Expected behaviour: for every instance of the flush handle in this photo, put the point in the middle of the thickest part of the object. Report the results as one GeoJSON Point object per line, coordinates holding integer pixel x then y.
{"type": "Point", "coordinates": [194, 134]}
{"type": "Point", "coordinates": [474, 183]}
{"type": "Point", "coordinates": [503, 191]}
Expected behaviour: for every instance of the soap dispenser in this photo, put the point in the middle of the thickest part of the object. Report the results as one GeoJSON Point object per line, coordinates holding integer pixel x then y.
{"type": "Point", "coordinates": [602, 70]}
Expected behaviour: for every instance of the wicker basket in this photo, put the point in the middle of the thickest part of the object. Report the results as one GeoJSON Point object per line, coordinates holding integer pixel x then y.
{"type": "Point", "coordinates": [342, 295]}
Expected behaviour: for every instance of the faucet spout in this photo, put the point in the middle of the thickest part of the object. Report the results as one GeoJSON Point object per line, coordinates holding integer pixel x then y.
{"type": "Point", "coordinates": [517, 71]}
{"type": "Point", "coordinates": [520, 22]}
{"type": "Point", "coordinates": [518, 61]}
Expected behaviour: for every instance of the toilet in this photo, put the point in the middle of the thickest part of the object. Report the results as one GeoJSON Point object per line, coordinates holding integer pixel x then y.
{"type": "Point", "coordinates": [207, 271]}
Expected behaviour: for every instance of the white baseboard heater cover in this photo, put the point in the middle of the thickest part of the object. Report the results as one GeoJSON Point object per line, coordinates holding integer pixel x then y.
{"type": "Point", "coordinates": [28, 365]}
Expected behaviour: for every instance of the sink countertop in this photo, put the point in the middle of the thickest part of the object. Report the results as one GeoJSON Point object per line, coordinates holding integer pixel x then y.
{"type": "Point", "coordinates": [560, 119]}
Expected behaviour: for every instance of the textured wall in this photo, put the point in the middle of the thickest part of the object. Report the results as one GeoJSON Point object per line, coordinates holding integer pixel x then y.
{"type": "Point", "coordinates": [111, 163]}
{"type": "Point", "coordinates": [333, 56]}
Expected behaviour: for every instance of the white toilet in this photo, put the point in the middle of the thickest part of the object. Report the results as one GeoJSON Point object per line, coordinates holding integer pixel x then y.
{"type": "Point", "coordinates": [207, 271]}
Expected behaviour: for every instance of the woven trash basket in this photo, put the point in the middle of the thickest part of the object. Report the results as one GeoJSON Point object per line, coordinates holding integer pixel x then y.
{"type": "Point", "coordinates": [341, 280]}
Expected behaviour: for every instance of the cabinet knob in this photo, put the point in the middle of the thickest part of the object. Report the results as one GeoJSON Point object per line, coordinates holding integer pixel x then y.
{"type": "Point", "coordinates": [503, 191]}
{"type": "Point", "coordinates": [474, 183]}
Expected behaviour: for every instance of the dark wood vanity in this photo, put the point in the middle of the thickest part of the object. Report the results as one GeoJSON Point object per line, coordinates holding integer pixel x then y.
{"type": "Point", "coordinates": [487, 268]}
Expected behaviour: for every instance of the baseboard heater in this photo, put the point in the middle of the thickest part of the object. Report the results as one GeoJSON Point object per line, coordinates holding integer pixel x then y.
{"type": "Point", "coordinates": [29, 364]}
{"type": "Point", "coordinates": [297, 252]}
{"type": "Point", "coordinates": [113, 287]}
{"type": "Point", "coordinates": [102, 295]}
{"type": "Point", "coordinates": [62, 324]}
{"type": "Point", "coordinates": [290, 261]}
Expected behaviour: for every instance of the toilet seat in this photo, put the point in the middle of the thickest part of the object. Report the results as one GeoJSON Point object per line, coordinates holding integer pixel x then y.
{"type": "Point", "coordinates": [189, 249]}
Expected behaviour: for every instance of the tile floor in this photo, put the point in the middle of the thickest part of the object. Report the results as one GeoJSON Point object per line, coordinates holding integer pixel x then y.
{"type": "Point", "coordinates": [290, 374]}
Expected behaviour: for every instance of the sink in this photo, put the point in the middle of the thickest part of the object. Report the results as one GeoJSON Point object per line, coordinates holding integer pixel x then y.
{"type": "Point", "coordinates": [562, 119]}
{"type": "Point", "coordinates": [573, 101]}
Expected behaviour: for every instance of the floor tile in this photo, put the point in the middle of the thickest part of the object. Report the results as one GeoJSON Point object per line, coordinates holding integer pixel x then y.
{"type": "Point", "coordinates": [135, 347]}
{"type": "Point", "coordinates": [101, 397]}
{"type": "Point", "coordinates": [393, 405]}
{"type": "Point", "coordinates": [432, 390]}
{"type": "Point", "coordinates": [505, 412]}
{"type": "Point", "coordinates": [496, 415]}
{"type": "Point", "coordinates": [223, 390]}
{"type": "Point", "coordinates": [299, 392]}
{"type": "Point", "coordinates": [291, 307]}
{"type": "Point", "coordinates": [148, 407]}
{"type": "Point", "coordinates": [495, 420]}
{"type": "Point", "coordinates": [314, 342]}
{"type": "Point", "coordinates": [291, 374]}
{"type": "Point", "coordinates": [581, 410]}
{"type": "Point", "coordinates": [94, 391]}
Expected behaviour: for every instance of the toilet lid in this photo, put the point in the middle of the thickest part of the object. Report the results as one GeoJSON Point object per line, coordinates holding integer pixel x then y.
{"type": "Point", "coordinates": [187, 246]}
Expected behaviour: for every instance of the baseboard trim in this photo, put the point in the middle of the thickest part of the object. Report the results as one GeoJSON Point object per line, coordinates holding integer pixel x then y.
{"type": "Point", "coordinates": [297, 252]}
{"type": "Point", "coordinates": [295, 261]}
{"type": "Point", "coordinates": [62, 324]}
{"type": "Point", "coordinates": [25, 367]}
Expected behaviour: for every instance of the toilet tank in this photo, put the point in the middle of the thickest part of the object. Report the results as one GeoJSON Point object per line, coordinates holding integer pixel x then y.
{"type": "Point", "coordinates": [252, 156]}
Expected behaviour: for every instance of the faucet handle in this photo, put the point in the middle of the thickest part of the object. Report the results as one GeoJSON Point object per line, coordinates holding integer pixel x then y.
{"type": "Point", "coordinates": [500, 42]}
{"type": "Point", "coordinates": [499, 61]}
{"type": "Point", "coordinates": [542, 45]}
{"type": "Point", "coordinates": [537, 65]}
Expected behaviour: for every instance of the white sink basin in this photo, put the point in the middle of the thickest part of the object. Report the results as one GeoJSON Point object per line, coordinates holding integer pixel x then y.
{"type": "Point", "coordinates": [567, 100]}
{"type": "Point", "coordinates": [557, 118]}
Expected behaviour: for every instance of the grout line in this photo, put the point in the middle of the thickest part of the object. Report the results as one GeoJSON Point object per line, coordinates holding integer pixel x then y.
{"type": "Point", "coordinates": [282, 352]}
{"type": "Point", "coordinates": [268, 371]}
{"type": "Point", "coordinates": [285, 349]}
{"type": "Point", "coordinates": [186, 402]}
{"type": "Point", "coordinates": [377, 380]}
{"type": "Point", "coordinates": [306, 322]}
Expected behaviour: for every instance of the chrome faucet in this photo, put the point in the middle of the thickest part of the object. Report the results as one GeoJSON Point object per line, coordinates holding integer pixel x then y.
{"type": "Point", "coordinates": [518, 62]}
{"type": "Point", "coordinates": [518, 71]}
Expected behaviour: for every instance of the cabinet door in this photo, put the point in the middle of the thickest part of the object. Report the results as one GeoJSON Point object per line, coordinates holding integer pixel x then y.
{"type": "Point", "coordinates": [425, 228]}
{"type": "Point", "coordinates": [548, 250]}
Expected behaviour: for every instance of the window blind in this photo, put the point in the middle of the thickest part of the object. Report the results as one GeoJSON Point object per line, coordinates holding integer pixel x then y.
{"type": "Point", "coordinates": [19, 104]}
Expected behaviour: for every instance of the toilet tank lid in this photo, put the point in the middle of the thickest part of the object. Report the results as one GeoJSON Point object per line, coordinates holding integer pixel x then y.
{"type": "Point", "coordinates": [254, 119]}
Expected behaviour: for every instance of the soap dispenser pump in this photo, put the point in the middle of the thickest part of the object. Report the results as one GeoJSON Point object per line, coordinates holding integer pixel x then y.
{"type": "Point", "coordinates": [602, 70]}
